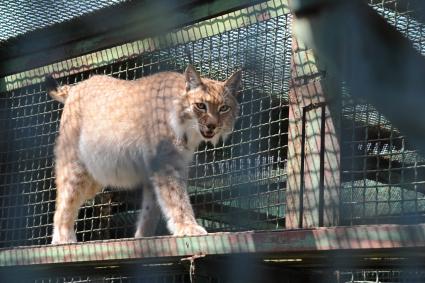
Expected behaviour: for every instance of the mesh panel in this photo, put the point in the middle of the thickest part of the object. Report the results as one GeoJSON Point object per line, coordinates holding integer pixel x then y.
{"type": "Point", "coordinates": [238, 185]}
{"type": "Point", "coordinates": [150, 273]}
{"type": "Point", "coordinates": [20, 16]}
{"type": "Point", "coordinates": [383, 175]}
{"type": "Point", "coordinates": [172, 278]}
{"type": "Point", "coordinates": [393, 276]}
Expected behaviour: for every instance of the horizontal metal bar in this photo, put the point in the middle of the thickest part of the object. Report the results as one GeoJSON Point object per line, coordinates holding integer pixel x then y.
{"type": "Point", "coordinates": [364, 241]}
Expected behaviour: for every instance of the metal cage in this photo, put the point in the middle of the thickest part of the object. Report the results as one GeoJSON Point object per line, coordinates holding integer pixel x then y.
{"type": "Point", "coordinates": [238, 185]}
{"type": "Point", "coordinates": [383, 175]}
{"type": "Point", "coordinates": [274, 185]}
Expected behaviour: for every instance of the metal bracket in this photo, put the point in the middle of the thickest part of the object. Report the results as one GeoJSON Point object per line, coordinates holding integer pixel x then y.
{"type": "Point", "coordinates": [191, 260]}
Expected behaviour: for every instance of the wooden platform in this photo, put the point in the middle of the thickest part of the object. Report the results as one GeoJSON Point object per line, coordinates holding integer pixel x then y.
{"type": "Point", "coordinates": [360, 245]}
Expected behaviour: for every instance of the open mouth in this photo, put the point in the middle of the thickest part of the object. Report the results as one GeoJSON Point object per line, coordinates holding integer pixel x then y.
{"type": "Point", "coordinates": [207, 134]}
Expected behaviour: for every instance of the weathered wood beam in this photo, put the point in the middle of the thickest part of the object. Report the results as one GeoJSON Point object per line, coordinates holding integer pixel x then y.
{"type": "Point", "coordinates": [106, 28]}
{"type": "Point", "coordinates": [313, 147]}
{"type": "Point", "coordinates": [354, 243]}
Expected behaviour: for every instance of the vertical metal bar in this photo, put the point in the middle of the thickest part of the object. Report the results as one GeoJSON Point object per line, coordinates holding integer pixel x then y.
{"type": "Point", "coordinates": [322, 165]}
{"type": "Point", "coordinates": [322, 105]}
{"type": "Point", "coordinates": [302, 170]}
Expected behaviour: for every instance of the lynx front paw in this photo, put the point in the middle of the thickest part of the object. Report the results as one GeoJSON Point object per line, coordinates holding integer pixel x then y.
{"type": "Point", "coordinates": [63, 238]}
{"type": "Point", "coordinates": [189, 230]}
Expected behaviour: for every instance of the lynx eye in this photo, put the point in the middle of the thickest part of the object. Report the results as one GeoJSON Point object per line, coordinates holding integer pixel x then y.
{"type": "Point", "coordinates": [224, 108]}
{"type": "Point", "coordinates": [201, 106]}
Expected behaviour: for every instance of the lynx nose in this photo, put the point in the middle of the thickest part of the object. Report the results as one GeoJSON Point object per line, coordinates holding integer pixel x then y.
{"type": "Point", "coordinates": [211, 127]}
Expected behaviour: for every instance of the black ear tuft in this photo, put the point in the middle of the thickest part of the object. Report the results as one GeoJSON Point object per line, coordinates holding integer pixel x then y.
{"type": "Point", "coordinates": [193, 79]}
{"type": "Point", "coordinates": [51, 83]}
{"type": "Point", "coordinates": [233, 83]}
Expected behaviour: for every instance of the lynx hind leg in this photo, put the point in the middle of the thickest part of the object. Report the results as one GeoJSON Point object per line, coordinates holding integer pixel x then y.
{"type": "Point", "coordinates": [149, 214]}
{"type": "Point", "coordinates": [74, 186]}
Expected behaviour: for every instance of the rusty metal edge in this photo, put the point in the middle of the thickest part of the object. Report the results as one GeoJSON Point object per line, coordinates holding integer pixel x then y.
{"type": "Point", "coordinates": [370, 239]}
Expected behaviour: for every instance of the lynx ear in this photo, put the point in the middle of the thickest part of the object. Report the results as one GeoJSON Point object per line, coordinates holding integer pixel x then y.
{"type": "Point", "coordinates": [234, 81]}
{"type": "Point", "coordinates": [193, 80]}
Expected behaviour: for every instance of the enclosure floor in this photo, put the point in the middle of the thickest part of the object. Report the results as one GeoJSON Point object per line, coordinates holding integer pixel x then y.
{"type": "Point", "coordinates": [365, 245]}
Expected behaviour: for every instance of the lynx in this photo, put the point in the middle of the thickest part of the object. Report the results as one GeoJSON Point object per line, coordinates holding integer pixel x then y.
{"type": "Point", "coordinates": [141, 133]}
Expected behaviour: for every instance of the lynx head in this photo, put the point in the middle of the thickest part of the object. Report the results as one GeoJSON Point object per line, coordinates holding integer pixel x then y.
{"type": "Point", "coordinates": [212, 104]}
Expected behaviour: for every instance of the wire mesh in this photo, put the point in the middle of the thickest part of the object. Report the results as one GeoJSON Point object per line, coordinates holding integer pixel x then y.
{"type": "Point", "coordinates": [237, 185]}
{"type": "Point", "coordinates": [383, 175]}
{"type": "Point", "coordinates": [393, 276]}
{"type": "Point", "coordinates": [150, 273]}
{"type": "Point", "coordinates": [170, 278]}
{"type": "Point", "coordinates": [20, 17]}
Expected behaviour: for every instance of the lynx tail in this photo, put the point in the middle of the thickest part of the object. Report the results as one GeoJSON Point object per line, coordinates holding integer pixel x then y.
{"type": "Point", "coordinates": [55, 91]}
